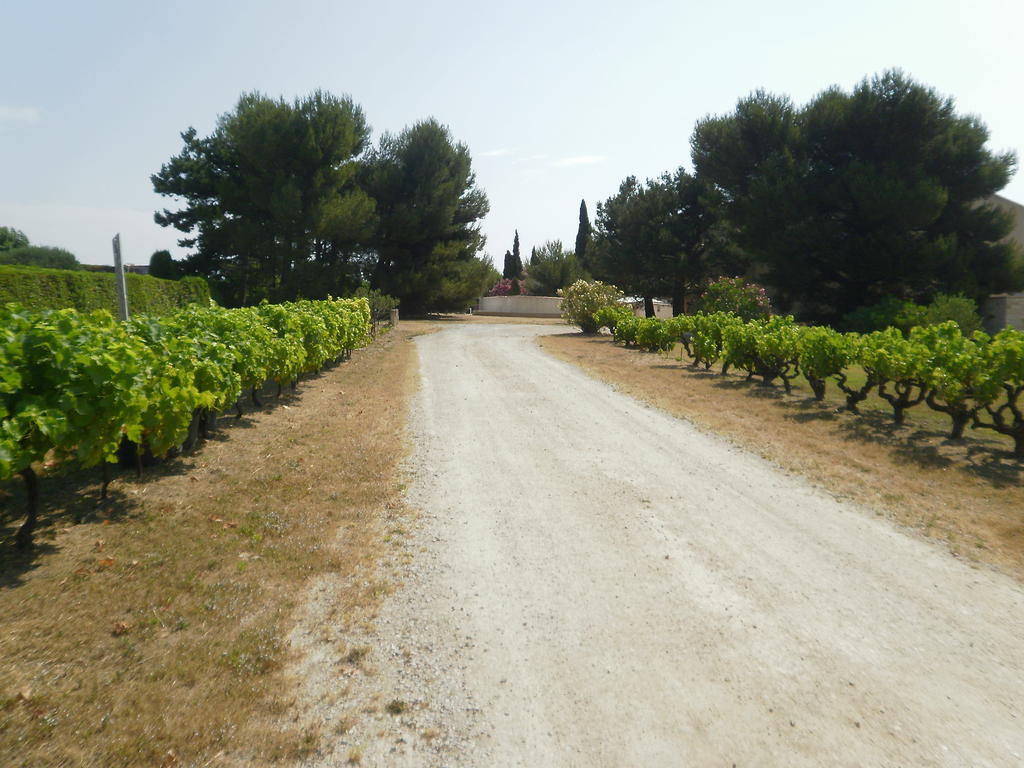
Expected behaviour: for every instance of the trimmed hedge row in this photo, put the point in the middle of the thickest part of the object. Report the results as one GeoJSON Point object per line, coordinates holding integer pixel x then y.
{"type": "Point", "coordinates": [38, 289]}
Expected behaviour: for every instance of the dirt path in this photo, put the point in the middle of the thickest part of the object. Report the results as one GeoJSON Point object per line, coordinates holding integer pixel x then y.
{"type": "Point", "coordinates": [596, 583]}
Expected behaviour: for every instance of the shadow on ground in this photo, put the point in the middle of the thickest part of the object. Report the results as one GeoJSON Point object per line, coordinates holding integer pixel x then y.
{"type": "Point", "coordinates": [71, 496]}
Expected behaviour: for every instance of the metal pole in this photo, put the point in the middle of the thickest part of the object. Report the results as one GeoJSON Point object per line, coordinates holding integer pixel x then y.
{"type": "Point", "coordinates": [122, 290]}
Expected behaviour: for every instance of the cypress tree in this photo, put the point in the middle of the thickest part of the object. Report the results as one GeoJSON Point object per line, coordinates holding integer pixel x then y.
{"type": "Point", "coordinates": [508, 269]}
{"type": "Point", "coordinates": [516, 260]}
{"type": "Point", "coordinates": [583, 234]}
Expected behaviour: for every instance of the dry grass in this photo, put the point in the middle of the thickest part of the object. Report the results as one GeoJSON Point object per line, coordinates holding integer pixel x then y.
{"type": "Point", "coordinates": [153, 632]}
{"type": "Point", "coordinates": [967, 495]}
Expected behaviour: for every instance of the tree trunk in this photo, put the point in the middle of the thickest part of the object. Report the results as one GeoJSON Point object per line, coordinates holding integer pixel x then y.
{"type": "Point", "coordinates": [24, 538]}
{"type": "Point", "coordinates": [960, 420]}
{"type": "Point", "coordinates": [852, 398]}
{"type": "Point", "coordinates": [648, 306]}
{"type": "Point", "coordinates": [678, 298]}
{"type": "Point", "coordinates": [818, 387]}
{"type": "Point", "coordinates": [192, 439]}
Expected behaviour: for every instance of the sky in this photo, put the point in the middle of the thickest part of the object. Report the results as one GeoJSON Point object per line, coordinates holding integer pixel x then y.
{"type": "Point", "coordinates": [557, 101]}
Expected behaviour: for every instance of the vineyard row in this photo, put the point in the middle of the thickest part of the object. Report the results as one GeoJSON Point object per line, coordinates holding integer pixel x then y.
{"type": "Point", "coordinates": [78, 386]}
{"type": "Point", "coordinates": [975, 380]}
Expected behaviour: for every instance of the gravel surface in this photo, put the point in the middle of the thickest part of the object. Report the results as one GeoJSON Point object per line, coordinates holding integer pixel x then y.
{"type": "Point", "coordinates": [596, 583]}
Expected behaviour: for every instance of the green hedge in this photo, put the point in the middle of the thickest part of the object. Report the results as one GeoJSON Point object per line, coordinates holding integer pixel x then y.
{"type": "Point", "coordinates": [38, 289]}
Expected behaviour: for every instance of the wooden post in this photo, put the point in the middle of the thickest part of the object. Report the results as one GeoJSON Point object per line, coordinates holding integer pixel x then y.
{"type": "Point", "coordinates": [122, 290]}
{"type": "Point", "coordinates": [394, 317]}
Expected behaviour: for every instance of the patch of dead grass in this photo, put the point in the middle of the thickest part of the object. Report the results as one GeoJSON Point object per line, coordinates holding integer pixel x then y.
{"type": "Point", "coordinates": [155, 633]}
{"type": "Point", "coordinates": [967, 495]}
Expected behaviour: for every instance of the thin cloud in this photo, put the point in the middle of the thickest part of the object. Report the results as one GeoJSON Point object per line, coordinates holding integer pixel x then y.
{"type": "Point", "coordinates": [503, 152]}
{"type": "Point", "coordinates": [24, 115]}
{"type": "Point", "coordinates": [580, 160]}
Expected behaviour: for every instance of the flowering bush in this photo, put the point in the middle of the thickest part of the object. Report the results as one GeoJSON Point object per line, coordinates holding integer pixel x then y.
{"type": "Point", "coordinates": [582, 300]}
{"type": "Point", "coordinates": [509, 287]}
{"type": "Point", "coordinates": [736, 295]}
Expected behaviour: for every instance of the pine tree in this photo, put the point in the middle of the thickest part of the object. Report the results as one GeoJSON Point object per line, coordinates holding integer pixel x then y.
{"type": "Point", "coordinates": [508, 269]}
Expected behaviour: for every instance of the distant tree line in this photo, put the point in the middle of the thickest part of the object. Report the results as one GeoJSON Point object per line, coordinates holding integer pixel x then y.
{"type": "Point", "coordinates": [857, 196]}
{"type": "Point", "coordinates": [551, 267]}
{"type": "Point", "coordinates": [15, 248]}
{"type": "Point", "coordinates": [291, 199]}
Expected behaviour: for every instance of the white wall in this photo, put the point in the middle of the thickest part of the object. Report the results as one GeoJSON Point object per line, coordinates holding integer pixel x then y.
{"type": "Point", "coordinates": [548, 306]}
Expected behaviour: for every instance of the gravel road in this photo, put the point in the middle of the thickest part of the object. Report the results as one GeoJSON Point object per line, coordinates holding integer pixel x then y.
{"type": "Point", "coordinates": [596, 583]}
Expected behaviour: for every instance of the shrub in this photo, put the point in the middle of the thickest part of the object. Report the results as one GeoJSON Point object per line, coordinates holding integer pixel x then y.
{"type": "Point", "coordinates": [610, 317]}
{"type": "Point", "coordinates": [654, 335]}
{"type": "Point", "coordinates": [959, 309]}
{"type": "Point", "coordinates": [823, 353]}
{"type": "Point", "coordinates": [890, 312]}
{"type": "Point", "coordinates": [582, 300]}
{"type": "Point", "coordinates": [734, 294]}
{"type": "Point", "coordinates": [508, 286]}
{"type": "Point", "coordinates": [625, 331]}
{"type": "Point", "coordinates": [707, 337]}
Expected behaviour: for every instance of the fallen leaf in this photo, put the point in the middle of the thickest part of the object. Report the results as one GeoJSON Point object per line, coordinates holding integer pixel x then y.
{"type": "Point", "coordinates": [170, 760]}
{"type": "Point", "coordinates": [193, 478]}
{"type": "Point", "coordinates": [98, 545]}
{"type": "Point", "coordinates": [105, 562]}
{"type": "Point", "coordinates": [23, 695]}
{"type": "Point", "coordinates": [216, 520]}
{"type": "Point", "coordinates": [231, 524]}
{"type": "Point", "coordinates": [121, 628]}
{"type": "Point", "coordinates": [82, 572]}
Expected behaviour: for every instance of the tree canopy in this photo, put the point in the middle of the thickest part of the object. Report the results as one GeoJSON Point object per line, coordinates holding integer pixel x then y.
{"type": "Point", "coordinates": [44, 256]}
{"type": "Point", "coordinates": [12, 238]}
{"type": "Point", "coordinates": [289, 199]}
{"type": "Point", "coordinates": [661, 238]}
{"type": "Point", "coordinates": [427, 238]}
{"type": "Point", "coordinates": [879, 191]}
{"type": "Point", "coordinates": [271, 207]}
{"type": "Point", "coordinates": [162, 265]}
{"type": "Point", "coordinates": [551, 268]}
